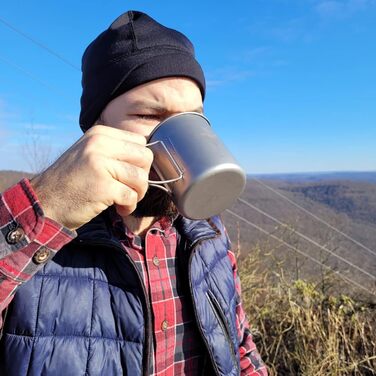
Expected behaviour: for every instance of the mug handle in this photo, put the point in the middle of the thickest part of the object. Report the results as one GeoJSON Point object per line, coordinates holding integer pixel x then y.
{"type": "Point", "coordinates": [158, 183]}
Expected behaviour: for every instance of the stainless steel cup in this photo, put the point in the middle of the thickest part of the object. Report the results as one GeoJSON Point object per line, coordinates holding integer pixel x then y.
{"type": "Point", "coordinates": [194, 166]}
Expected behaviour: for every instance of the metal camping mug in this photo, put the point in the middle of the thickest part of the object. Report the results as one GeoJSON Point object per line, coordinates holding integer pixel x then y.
{"type": "Point", "coordinates": [194, 166]}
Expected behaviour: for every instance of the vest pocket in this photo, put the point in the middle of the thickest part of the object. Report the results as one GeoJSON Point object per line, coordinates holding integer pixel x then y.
{"type": "Point", "coordinates": [217, 310]}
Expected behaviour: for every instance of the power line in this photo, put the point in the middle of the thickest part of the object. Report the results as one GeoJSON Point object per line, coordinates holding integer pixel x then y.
{"type": "Point", "coordinates": [32, 76]}
{"type": "Point", "coordinates": [315, 216]}
{"type": "Point", "coordinates": [308, 239]}
{"type": "Point", "coordinates": [39, 44]}
{"type": "Point", "coordinates": [348, 280]}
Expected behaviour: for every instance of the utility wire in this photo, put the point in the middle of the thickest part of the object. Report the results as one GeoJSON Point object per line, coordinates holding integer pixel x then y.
{"type": "Point", "coordinates": [39, 44]}
{"type": "Point", "coordinates": [314, 216]}
{"type": "Point", "coordinates": [32, 76]}
{"type": "Point", "coordinates": [343, 277]}
{"type": "Point", "coordinates": [308, 239]}
{"type": "Point", "coordinates": [66, 61]}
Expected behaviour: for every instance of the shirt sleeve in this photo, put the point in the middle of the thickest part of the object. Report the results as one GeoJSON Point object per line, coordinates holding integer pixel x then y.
{"type": "Point", "coordinates": [251, 363]}
{"type": "Point", "coordinates": [28, 239]}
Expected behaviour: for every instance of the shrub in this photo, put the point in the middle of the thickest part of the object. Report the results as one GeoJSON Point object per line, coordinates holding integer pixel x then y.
{"type": "Point", "coordinates": [300, 329]}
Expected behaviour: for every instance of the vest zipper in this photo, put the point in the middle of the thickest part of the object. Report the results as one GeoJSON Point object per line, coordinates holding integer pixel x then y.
{"type": "Point", "coordinates": [225, 329]}
{"type": "Point", "coordinates": [5, 313]}
{"type": "Point", "coordinates": [118, 248]}
{"type": "Point", "coordinates": [222, 322]}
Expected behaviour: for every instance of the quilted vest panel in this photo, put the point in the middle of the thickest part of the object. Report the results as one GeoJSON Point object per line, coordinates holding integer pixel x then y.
{"type": "Point", "coordinates": [84, 313]}
{"type": "Point", "coordinates": [78, 316]}
{"type": "Point", "coordinates": [213, 288]}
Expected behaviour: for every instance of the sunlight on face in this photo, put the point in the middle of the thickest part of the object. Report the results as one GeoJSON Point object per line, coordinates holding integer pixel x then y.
{"type": "Point", "coordinates": [139, 110]}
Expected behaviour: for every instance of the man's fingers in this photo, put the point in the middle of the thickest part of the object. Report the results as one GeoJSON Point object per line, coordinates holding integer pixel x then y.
{"type": "Point", "coordinates": [125, 198]}
{"type": "Point", "coordinates": [134, 177]}
{"type": "Point", "coordinates": [135, 154]}
{"type": "Point", "coordinates": [127, 148]}
{"type": "Point", "coordinates": [116, 133]}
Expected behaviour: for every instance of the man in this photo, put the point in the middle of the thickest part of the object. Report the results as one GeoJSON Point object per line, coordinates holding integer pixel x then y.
{"type": "Point", "coordinates": [117, 281]}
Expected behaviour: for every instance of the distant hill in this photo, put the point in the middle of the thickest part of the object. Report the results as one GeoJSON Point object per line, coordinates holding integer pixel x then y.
{"type": "Point", "coordinates": [366, 176]}
{"type": "Point", "coordinates": [346, 201]}
{"type": "Point", "coordinates": [347, 205]}
{"type": "Point", "coordinates": [8, 178]}
{"type": "Point", "coordinates": [355, 199]}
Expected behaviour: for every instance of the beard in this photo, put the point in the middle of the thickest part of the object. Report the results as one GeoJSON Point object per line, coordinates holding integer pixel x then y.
{"type": "Point", "coordinates": [156, 203]}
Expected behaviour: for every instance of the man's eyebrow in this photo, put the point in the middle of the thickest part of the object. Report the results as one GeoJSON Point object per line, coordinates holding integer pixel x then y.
{"type": "Point", "coordinates": [137, 105]}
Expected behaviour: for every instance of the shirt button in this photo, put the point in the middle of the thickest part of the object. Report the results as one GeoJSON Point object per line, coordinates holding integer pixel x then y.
{"type": "Point", "coordinates": [164, 325]}
{"type": "Point", "coordinates": [15, 236]}
{"type": "Point", "coordinates": [156, 261]}
{"type": "Point", "coordinates": [41, 255]}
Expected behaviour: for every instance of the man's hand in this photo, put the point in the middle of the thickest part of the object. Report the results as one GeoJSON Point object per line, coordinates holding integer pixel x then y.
{"type": "Point", "coordinates": [105, 166]}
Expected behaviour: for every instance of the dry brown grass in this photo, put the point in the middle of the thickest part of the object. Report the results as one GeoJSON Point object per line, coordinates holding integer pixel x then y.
{"type": "Point", "coordinates": [300, 330]}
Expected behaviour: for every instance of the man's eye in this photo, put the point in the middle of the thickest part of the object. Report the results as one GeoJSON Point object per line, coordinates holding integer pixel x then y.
{"type": "Point", "coordinates": [148, 117]}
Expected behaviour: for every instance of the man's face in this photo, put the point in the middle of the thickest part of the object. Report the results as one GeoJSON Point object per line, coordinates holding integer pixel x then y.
{"type": "Point", "coordinates": [140, 110]}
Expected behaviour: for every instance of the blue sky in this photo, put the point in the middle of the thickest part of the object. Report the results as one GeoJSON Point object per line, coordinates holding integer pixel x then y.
{"type": "Point", "coordinates": [291, 83]}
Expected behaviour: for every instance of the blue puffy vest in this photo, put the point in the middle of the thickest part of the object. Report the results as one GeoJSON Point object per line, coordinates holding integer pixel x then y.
{"type": "Point", "coordinates": [86, 313]}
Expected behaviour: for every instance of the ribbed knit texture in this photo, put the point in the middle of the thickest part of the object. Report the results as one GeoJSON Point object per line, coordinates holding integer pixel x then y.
{"type": "Point", "coordinates": [134, 50]}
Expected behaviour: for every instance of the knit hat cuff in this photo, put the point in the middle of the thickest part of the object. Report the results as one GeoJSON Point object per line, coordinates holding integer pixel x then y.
{"type": "Point", "coordinates": [174, 63]}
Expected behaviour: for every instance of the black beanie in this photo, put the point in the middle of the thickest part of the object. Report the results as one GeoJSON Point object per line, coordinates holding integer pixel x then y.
{"type": "Point", "coordinates": [135, 49]}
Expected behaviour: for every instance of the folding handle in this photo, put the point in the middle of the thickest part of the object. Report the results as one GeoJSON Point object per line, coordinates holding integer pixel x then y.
{"type": "Point", "coordinates": [159, 183]}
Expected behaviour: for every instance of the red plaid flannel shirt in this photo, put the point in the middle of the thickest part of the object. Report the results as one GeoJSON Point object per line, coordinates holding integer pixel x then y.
{"type": "Point", "coordinates": [28, 240]}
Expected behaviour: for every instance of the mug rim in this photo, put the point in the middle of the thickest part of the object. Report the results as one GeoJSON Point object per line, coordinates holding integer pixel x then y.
{"type": "Point", "coordinates": [176, 115]}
